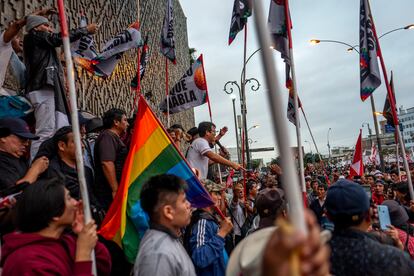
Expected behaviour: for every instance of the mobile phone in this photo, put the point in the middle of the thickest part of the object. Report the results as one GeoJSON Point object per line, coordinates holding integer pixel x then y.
{"type": "Point", "coordinates": [384, 217]}
{"type": "Point", "coordinates": [367, 189]}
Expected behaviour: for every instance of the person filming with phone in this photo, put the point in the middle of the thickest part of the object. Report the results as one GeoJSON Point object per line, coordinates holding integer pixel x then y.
{"type": "Point", "coordinates": [353, 250]}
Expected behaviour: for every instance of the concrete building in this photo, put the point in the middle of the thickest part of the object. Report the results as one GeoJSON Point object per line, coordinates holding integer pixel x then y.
{"type": "Point", "coordinates": [113, 17]}
{"type": "Point", "coordinates": [406, 117]}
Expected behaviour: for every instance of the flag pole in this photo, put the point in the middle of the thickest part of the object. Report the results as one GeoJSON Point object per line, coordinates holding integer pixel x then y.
{"type": "Point", "coordinates": [397, 155]}
{"type": "Point", "coordinates": [296, 101]}
{"type": "Point", "coordinates": [75, 121]}
{"type": "Point", "coordinates": [393, 108]}
{"type": "Point", "coordinates": [313, 138]}
{"type": "Point", "coordinates": [377, 133]}
{"type": "Point", "coordinates": [280, 129]}
{"type": "Point", "coordinates": [166, 93]}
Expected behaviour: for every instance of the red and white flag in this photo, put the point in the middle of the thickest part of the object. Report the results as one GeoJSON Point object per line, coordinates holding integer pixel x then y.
{"type": "Point", "coordinates": [229, 181]}
{"type": "Point", "coordinates": [357, 167]}
{"type": "Point", "coordinates": [373, 157]}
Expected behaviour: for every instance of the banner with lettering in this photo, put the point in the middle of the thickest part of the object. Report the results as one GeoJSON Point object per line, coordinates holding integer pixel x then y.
{"type": "Point", "coordinates": [103, 64]}
{"type": "Point", "coordinates": [167, 33]}
{"type": "Point", "coordinates": [368, 63]}
{"type": "Point", "coordinates": [85, 46]}
{"type": "Point", "coordinates": [189, 91]}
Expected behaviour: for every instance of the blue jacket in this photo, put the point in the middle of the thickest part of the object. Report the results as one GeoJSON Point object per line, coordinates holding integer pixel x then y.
{"type": "Point", "coordinates": [206, 247]}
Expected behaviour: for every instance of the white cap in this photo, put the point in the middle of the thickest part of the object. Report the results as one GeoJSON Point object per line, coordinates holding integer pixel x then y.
{"type": "Point", "coordinates": [246, 258]}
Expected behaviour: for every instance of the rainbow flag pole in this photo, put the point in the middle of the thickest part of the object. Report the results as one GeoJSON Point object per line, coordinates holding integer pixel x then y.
{"type": "Point", "coordinates": [151, 153]}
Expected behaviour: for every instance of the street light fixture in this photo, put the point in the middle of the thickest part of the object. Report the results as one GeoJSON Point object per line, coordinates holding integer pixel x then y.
{"type": "Point", "coordinates": [310, 146]}
{"type": "Point", "coordinates": [329, 146]}
{"type": "Point", "coordinates": [233, 99]}
{"type": "Point", "coordinates": [369, 133]}
{"type": "Point", "coordinates": [254, 126]}
{"type": "Point", "coordinates": [353, 48]}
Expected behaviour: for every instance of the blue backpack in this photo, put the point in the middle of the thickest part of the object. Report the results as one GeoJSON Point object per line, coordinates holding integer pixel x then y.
{"type": "Point", "coordinates": [14, 106]}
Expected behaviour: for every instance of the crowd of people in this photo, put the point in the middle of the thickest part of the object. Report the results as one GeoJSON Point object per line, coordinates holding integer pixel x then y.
{"type": "Point", "coordinates": [41, 213]}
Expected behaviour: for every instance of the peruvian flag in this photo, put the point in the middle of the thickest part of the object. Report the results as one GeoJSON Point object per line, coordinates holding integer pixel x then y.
{"type": "Point", "coordinates": [229, 181]}
{"type": "Point", "coordinates": [373, 157]}
{"type": "Point", "coordinates": [357, 167]}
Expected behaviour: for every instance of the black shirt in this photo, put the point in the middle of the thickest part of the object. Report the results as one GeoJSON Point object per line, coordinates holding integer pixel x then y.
{"type": "Point", "coordinates": [356, 253]}
{"type": "Point", "coordinates": [11, 169]}
{"type": "Point", "coordinates": [108, 147]}
{"type": "Point", "coordinates": [58, 168]}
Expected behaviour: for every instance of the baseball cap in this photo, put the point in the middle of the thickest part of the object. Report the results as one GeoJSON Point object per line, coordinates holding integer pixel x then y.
{"type": "Point", "coordinates": [268, 203]}
{"type": "Point", "coordinates": [211, 186]}
{"type": "Point", "coordinates": [398, 215]}
{"type": "Point", "coordinates": [193, 131]}
{"type": "Point", "coordinates": [402, 187]}
{"type": "Point", "coordinates": [17, 127]}
{"type": "Point", "coordinates": [346, 199]}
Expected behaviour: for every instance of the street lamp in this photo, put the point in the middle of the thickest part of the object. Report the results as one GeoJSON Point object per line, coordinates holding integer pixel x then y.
{"type": "Point", "coordinates": [229, 88]}
{"type": "Point", "coordinates": [310, 146]}
{"type": "Point", "coordinates": [369, 133]}
{"type": "Point", "coordinates": [329, 146]}
{"type": "Point", "coordinates": [353, 48]}
{"type": "Point", "coordinates": [251, 141]}
{"type": "Point", "coordinates": [254, 126]}
{"type": "Point", "coordinates": [233, 99]}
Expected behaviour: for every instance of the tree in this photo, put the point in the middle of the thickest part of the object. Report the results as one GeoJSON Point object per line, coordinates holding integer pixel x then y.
{"type": "Point", "coordinates": [192, 52]}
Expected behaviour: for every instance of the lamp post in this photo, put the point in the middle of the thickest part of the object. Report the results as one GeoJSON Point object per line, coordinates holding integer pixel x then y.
{"type": "Point", "coordinates": [329, 146]}
{"type": "Point", "coordinates": [369, 133]}
{"type": "Point", "coordinates": [229, 88]}
{"type": "Point", "coordinates": [310, 146]}
{"type": "Point", "coordinates": [233, 99]}
{"type": "Point", "coordinates": [353, 48]}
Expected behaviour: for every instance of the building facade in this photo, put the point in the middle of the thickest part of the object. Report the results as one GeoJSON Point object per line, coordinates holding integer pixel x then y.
{"type": "Point", "coordinates": [406, 117]}
{"type": "Point", "coordinates": [113, 17]}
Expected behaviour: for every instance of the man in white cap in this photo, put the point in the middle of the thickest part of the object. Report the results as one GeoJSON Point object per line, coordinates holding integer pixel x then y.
{"type": "Point", "coordinates": [45, 81]}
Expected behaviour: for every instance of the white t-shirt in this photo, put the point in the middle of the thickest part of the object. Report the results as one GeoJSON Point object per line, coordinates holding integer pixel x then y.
{"type": "Point", "coordinates": [6, 51]}
{"type": "Point", "coordinates": [196, 157]}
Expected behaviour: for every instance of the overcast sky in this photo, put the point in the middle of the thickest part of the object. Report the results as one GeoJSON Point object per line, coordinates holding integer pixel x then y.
{"type": "Point", "coordinates": [327, 75]}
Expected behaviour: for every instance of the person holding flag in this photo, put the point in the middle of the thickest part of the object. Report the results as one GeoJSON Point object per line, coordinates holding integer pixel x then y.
{"type": "Point", "coordinates": [45, 82]}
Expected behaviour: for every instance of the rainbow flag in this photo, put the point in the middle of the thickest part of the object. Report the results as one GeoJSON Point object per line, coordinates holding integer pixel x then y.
{"type": "Point", "coordinates": [151, 153]}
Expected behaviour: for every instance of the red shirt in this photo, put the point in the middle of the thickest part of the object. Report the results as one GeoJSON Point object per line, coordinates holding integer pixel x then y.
{"type": "Point", "coordinates": [33, 254]}
{"type": "Point", "coordinates": [377, 199]}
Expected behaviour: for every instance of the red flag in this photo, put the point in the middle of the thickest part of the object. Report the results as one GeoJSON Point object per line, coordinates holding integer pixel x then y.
{"type": "Point", "coordinates": [357, 167]}
{"type": "Point", "coordinates": [229, 181]}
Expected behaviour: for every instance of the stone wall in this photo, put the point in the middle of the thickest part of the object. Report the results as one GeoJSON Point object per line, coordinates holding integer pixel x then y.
{"type": "Point", "coordinates": [114, 16]}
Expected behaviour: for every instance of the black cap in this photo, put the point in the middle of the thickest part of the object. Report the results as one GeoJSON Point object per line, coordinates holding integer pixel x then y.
{"type": "Point", "coordinates": [17, 127]}
{"type": "Point", "coordinates": [398, 215]}
{"type": "Point", "coordinates": [193, 131]}
{"type": "Point", "coordinates": [268, 204]}
{"type": "Point", "coordinates": [402, 187]}
{"type": "Point", "coordinates": [346, 199]}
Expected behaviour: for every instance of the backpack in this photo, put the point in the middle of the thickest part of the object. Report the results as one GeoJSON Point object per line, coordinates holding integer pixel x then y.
{"type": "Point", "coordinates": [14, 106]}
